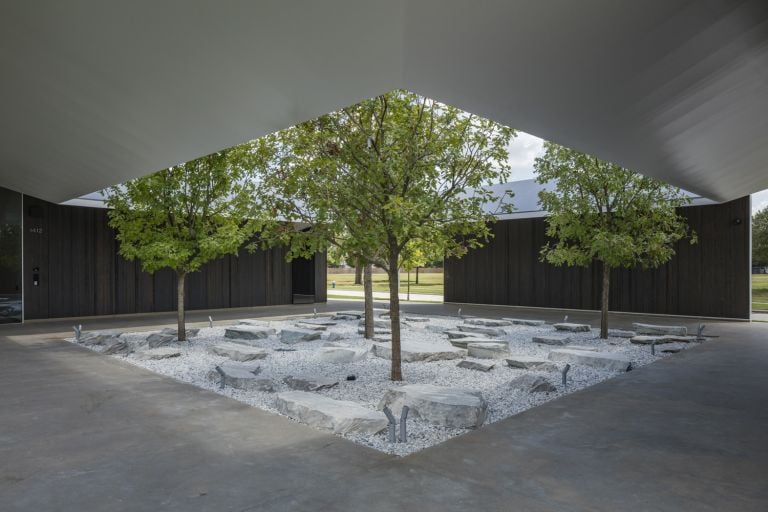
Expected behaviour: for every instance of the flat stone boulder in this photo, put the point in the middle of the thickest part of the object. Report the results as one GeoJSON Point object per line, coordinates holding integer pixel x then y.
{"type": "Point", "coordinates": [239, 376]}
{"type": "Point", "coordinates": [642, 339]}
{"type": "Point", "coordinates": [669, 348]}
{"type": "Point", "coordinates": [529, 383]}
{"type": "Point", "coordinates": [337, 416]}
{"type": "Point", "coordinates": [525, 321]}
{"type": "Point", "coordinates": [158, 339]}
{"type": "Point", "coordinates": [291, 335]}
{"type": "Point", "coordinates": [531, 363]}
{"type": "Point", "coordinates": [309, 382]}
{"type": "Point", "coordinates": [551, 340]}
{"type": "Point", "coordinates": [487, 322]}
{"type": "Point", "coordinates": [378, 323]}
{"type": "Point", "coordinates": [326, 322]}
{"type": "Point", "coordinates": [383, 338]}
{"type": "Point", "coordinates": [571, 327]}
{"type": "Point", "coordinates": [331, 336]}
{"type": "Point", "coordinates": [621, 333]}
{"type": "Point", "coordinates": [652, 329]}
{"type": "Point", "coordinates": [155, 354]}
{"type": "Point", "coordinates": [191, 333]}
{"type": "Point", "coordinates": [412, 351]}
{"type": "Point", "coordinates": [462, 334]}
{"type": "Point", "coordinates": [472, 365]}
{"type": "Point", "coordinates": [237, 351]}
{"type": "Point", "coordinates": [599, 360]}
{"type": "Point", "coordinates": [310, 327]}
{"type": "Point", "coordinates": [119, 347]}
{"type": "Point", "coordinates": [254, 321]}
{"type": "Point", "coordinates": [348, 315]}
{"type": "Point", "coordinates": [99, 337]}
{"type": "Point", "coordinates": [488, 350]}
{"type": "Point", "coordinates": [248, 332]}
{"type": "Point", "coordinates": [588, 348]}
{"type": "Point", "coordinates": [341, 354]}
{"type": "Point", "coordinates": [450, 407]}
{"type": "Point", "coordinates": [361, 331]}
{"type": "Point", "coordinates": [490, 331]}
{"type": "Point", "coordinates": [416, 319]}
{"type": "Point", "coordinates": [463, 342]}
{"type": "Point", "coordinates": [436, 328]}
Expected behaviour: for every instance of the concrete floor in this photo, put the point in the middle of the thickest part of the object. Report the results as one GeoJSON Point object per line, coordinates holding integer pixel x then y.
{"type": "Point", "coordinates": [84, 432]}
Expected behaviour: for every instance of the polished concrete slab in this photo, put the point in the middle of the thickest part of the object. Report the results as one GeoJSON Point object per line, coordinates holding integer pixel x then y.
{"type": "Point", "coordinates": [80, 431]}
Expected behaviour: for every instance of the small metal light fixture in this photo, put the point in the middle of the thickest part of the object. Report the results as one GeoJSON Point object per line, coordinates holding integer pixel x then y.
{"type": "Point", "coordinates": [314, 312]}
{"type": "Point", "coordinates": [210, 321]}
{"type": "Point", "coordinates": [700, 332]}
{"type": "Point", "coordinates": [565, 375]}
{"type": "Point", "coordinates": [737, 221]}
{"type": "Point", "coordinates": [565, 318]}
{"type": "Point", "coordinates": [653, 347]}
{"type": "Point", "coordinates": [459, 313]}
{"type": "Point", "coordinates": [78, 331]}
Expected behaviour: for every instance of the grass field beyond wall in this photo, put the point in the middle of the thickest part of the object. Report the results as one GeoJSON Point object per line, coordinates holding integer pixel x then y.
{"type": "Point", "coordinates": [760, 292]}
{"type": "Point", "coordinates": [431, 283]}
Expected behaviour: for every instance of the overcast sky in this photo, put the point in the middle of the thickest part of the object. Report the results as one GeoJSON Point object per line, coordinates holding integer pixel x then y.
{"type": "Point", "coordinates": [525, 148]}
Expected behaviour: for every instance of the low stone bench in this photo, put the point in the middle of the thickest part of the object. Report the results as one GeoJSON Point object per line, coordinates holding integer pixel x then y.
{"type": "Point", "coordinates": [525, 321]}
{"type": "Point", "coordinates": [237, 351]}
{"type": "Point", "coordinates": [411, 351]}
{"type": "Point", "coordinates": [677, 330]}
{"type": "Point", "coordinates": [341, 354]}
{"type": "Point", "coordinates": [337, 416]}
{"type": "Point", "coordinates": [599, 360]}
{"type": "Point", "coordinates": [450, 407]}
{"type": "Point", "coordinates": [488, 350]}
{"type": "Point", "coordinates": [642, 339]}
{"type": "Point", "coordinates": [463, 342]}
{"type": "Point", "coordinates": [248, 332]}
{"type": "Point", "coordinates": [531, 363]}
{"type": "Point", "coordinates": [487, 322]}
{"type": "Point", "coordinates": [291, 336]}
{"type": "Point", "coordinates": [240, 376]}
{"type": "Point", "coordinates": [571, 327]}
{"type": "Point", "coordinates": [490, 331]}
{"type": "Point", "coordinates": [551, 340]}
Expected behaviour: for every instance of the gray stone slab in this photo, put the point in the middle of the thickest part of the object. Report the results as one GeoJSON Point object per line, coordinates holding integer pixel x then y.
{"type": "Point", "coordinates": [487, 322]}
{"type": "Point", "coordinates": [526, 321]}
{"type": "Point", "coordinates": [490, 331]}
{"type": "Point", "coordinates": [248, 332]}
{"type": "Point", "coordinates": [450, 407]}
{"type": "Point", "coordinates": [191, 332]}
{"type": "Point", "coordinates": [341, 355]}
{"type": "Point", "coordinates": [238, 351]}
{"type": "Point", "coordinates": [337, 416]}
{"type": "Point", "coordinates": [620, 333]}
{"type": "Point", "coordinates": [100, 337]}
{"type": "Point", "coordinates": [473, 365]}
{"type": "Point", "coordinates": [453, 334]}
{"type": "Point", "coordinates": [309, 382]}
{"type": "Point", "coordinates": [599, 360]}
{"type": "Point", "coordinates": [291, 335]}
{"type": "Point", "coordinates": [669, 348]}
{"type": "Point", "coordinates": [159, 339]}
{"type": "Point", "coordinates": [557, 341]}
{"type": "Point", "coordinates": [412, 351]}
{"type": "Point", "coordinates": [643, 339]}
{"type": "Point", "coordinates": [348, 315]}
{"type": "Point", "coordinates": [319, 321]}
{"type": "Point", "coordinates": [530, 383]}
{"type": "Point", "coordinates": [463, 342]}
{"type": "Point", "coordinates": [488, 350]}
{"type": "Point", "coordinates": [311, 327]}
{"type": "Point", "coordinates": [653, 329]}
{"type": "Point", "coordinates": [587, 348]}
{"type": "Point", "coordinates": [416, 319]}
{"type": "Point", "coordinates": [158, 353]}
{"type": "Point", "coordinates": [571, 327]}
{"type": "Point", "coordinates": [531, 363]}
{"type": "Point", "coordinates": [241, 376]}
{"type": "Point", "coordinates": [378, 323]}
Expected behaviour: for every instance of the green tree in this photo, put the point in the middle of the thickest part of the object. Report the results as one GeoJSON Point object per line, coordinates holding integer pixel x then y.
{"type": "Point", "coordinates": [189, 214]}
{"type": "Point", "coordinates": [600, 212]}
{"type": "Point", "coordinates": [760, 238]}
{"type": "Point", "coordinates": [389, 171]}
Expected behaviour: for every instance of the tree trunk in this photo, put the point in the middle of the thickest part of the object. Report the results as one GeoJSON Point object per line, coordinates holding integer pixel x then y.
{"type": "Point", "coordinates": [181, 328]}
{"type": "Point", "coordinates": [409, 286]}
{"type": "Point", "coordinates": [417, 275]}
{"type": "Point", "coordinates": [358, 271]}
{"type": "Point", "coordinates": [604, 301]}
{"type": "Point", "coordinates": [368, 292]}
{"type": "Point", "coordinates": [394, 313]}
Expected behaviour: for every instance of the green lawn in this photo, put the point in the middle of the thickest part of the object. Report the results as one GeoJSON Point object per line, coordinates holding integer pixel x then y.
{"type": "Point", "coordinates": [760, 291]}
{"type": "Point", "coordinates": [431, 283]}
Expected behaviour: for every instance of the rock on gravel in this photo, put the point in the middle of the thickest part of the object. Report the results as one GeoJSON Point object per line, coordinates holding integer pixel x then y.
{"type": "Point", "coordinates": [491, 331]}
{"type": "Point", "coordinates": [416, 319]}
{"type": "Point", "coordinates": [348, 315]}
{"type": "Point", "coordinates": [487, 350]}
{"type": "Point", "coordinates": [159, 339]}
{"type": "Point", "coordinates": [248, 332]}
{"type": "Point", "coordinates": [452, 335]}
{"type": "Point", "coordinates": [588, 348]}
{"type": "Point", "coordinates": [525, 321]}
{"type": "Point", "coordinates": [319, 321]}
{"type": "Point", "coordinates": [120, 347]}
{"type": "Point", "coordinates": [551, 340]}
{"type": "Point", "coordinates": [239, 376]}
{"type": "Point", "coordinates": [669, 348]}
{"type": "Point", "coordinates": [341, 354]}
{"type": "Point", "coordinates": [99, 337]}
{"type": "Point", "coordinates": [378, 323]}
{"type": "Point", "coordinates": [487, 322]}
{"type": "Point", "coordinates": [473, 365]}
{"type": "Point", "coordinates": [530, 383]}
{"type": "Point", "coordinates": [531, 363]}
{"type": "Point", "coordinates": [620, 333]}
{"type": "Point", "coordinates": [464, 342]}
{"type": "Point", "coordinates": [338, 416]}
{"type": "Point", "coordinates": [237, 351]}
{"type": "Point", "coordinates": [600, 360]}
{"type": "Point", "coordinates": [677, 330]}
{"type": "Point", "coordinates": [290, 336]}
{"type": "Point", "coordinates": [642, 339]}
{"type": "Point", "coordinates": [412, 351]}
{"type": "Point", "coordinates": [309, 382]}
{"type": "Point", "coordinates": [311, 327]}
{"type": "Point", "coordinates": [158, 353]}
{"type": "Point", "coordinates": [446, 406]}
{"type": "Point", "coordinates": [190, 333]}
{"type": "Point", "coordinates": [571, 327]}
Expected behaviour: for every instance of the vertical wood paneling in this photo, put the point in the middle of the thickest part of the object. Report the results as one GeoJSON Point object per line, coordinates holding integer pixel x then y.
{"type": "Point", "coordinates": [710, 278]}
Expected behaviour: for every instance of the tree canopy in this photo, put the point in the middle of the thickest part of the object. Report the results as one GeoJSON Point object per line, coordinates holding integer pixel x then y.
{"type": "Point", "coordinates": [599, 211]}
{"type": "Point", "coordinates": [760, 238]}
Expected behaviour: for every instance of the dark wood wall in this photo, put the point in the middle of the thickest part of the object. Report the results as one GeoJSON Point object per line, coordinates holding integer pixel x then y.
{"type": "Point", "coordinates": [710, 278]}
{"type": "Point", "coordinates": [81, 274]}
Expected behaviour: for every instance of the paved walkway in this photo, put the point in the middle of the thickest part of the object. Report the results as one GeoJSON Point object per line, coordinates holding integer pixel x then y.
{"type": "Point", "coordinates": [84, 432]}
{"type": "Point", "coordinates": [415, 297]}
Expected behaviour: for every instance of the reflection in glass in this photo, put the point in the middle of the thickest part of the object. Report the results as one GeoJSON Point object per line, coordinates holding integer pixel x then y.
{"type": "Point", "coordinates": [10, 256]}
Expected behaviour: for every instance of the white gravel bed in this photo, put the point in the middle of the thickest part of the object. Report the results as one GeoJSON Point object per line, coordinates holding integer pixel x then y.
{"type": "Point", "coordinates": [372, 373]}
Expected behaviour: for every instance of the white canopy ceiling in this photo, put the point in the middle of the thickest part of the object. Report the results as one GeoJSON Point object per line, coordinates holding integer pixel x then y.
{"type": "Point", "coordinates": [97, 92]}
